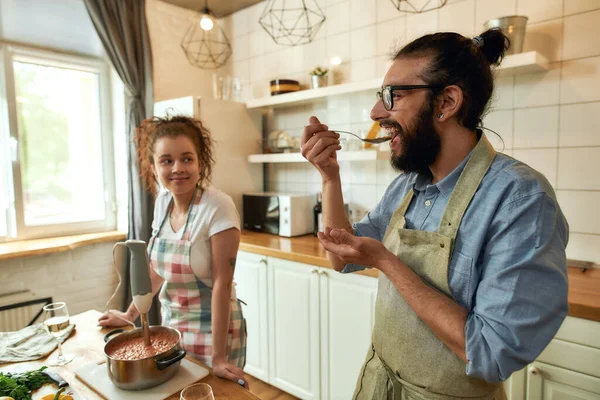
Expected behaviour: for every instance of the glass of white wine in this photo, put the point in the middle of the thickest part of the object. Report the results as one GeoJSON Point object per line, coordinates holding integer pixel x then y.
{"type": "Point", "coordinates": [198, 391]}
{"type": "Point", "coordinates": [56, 322]}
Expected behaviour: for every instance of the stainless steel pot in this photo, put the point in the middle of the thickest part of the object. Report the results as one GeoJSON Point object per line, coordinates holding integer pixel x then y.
{"type": "Point", "coordinates": [147, 372]}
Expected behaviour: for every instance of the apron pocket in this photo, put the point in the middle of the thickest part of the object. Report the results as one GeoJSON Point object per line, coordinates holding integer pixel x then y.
{"type": "Point", "coordinates": [459, 278]}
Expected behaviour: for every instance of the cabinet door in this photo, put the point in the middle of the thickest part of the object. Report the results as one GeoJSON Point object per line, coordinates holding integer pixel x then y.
{"type": "Point", "coordinates": [548, 382]}
{"type": "Point", "coordinates": [251, 280]}
{"type": "Point", "coordinates": [347, 318]}
{"type": "Point", "coordinates": [294, 328]}
{"type": "Point", "coordinates": [515, 385]}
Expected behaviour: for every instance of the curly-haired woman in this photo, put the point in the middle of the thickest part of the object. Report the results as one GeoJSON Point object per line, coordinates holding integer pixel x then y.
{"type": "Point", "coordinates": [194, 243]}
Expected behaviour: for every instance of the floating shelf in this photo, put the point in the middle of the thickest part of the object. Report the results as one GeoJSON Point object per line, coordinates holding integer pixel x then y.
{"type": "Point", "coordinates": [360, 155]}
{"type": "Point", "coordinates": [522, 63]}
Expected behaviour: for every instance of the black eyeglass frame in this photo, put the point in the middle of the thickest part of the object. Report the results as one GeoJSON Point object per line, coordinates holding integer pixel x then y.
{"type": "Point", "coordinates": [388, 90]}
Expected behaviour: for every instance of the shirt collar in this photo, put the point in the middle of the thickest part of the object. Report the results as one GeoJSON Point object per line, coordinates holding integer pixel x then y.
{"type": "Point", "coordinates": [445, 186]}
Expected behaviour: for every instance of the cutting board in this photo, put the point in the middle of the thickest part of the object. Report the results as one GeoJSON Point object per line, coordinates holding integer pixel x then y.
{"type": "Point", "coordinates": [96, 377]}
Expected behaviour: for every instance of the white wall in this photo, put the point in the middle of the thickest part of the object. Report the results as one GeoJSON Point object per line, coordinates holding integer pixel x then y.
{"type": "Point", "coordinates": [550, 120]}
{"type": "Point", "coordinates": [83, 278]}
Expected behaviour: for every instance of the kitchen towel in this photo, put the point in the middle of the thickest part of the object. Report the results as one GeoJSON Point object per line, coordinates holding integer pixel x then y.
{"type": "Point", "coordinates": [30, 343]}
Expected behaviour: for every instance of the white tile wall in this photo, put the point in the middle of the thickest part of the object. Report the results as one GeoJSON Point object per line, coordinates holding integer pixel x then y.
{"type": "Point", "coordinates": [582, 222]}
{"type": "Point", "coordinates": [536, 127]}
{"type": "Point", "coordinates": [580, 80]}
{"type": "Point", "coordinates": [545, 37]}
{"type": "Point", "coordinates": [579, 168]}
{"type": "Point", "coordinates": [579, 6]}
{"type": "Point", "coordinates": [580, 125]}
{"type": "Point", "coordinates": [550, 120]}
{"type": "Point", "coordinates": [459, 17]}
{"type": "Point", "coordinates": [540, 89]}
{"type": "Point", "coordinates": [535, 12]}
{"type": "Point", "coordinates": [579, 31]}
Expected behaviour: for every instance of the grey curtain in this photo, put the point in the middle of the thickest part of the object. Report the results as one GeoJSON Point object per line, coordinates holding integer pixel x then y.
{"type": "Point", "coordinates": [122, 28]}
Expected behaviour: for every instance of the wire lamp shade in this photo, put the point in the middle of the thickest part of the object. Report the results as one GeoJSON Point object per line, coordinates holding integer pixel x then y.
{"type": "Point", "coordinates": [418, 6]}
{"type": "Point", "coordinates": [205, 45]}
{"type": "Point", "coordinates": [292, 22]}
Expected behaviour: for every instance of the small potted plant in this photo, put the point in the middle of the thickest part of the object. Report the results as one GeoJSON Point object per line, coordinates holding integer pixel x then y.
{"type": "Point", "coordinates": [318, 77]}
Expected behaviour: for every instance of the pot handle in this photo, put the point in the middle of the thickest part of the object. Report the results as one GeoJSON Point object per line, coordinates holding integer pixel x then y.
{"type": "Point", "coordinates": [172, 359]}
{"type": "Point", "coordinates": [109, 334]}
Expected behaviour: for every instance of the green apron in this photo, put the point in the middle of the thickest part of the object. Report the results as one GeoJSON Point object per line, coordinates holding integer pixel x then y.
{"type": "Point", "coordinates": [406, 359]}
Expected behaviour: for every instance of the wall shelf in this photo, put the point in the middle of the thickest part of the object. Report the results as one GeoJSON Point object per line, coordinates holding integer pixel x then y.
{"type": "Point", "coordinates": [360, 155]}
{"type": "Point", "coordinates": [522, 63]}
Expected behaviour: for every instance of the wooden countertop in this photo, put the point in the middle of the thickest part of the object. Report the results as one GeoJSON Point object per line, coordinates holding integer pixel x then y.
{"type": "Point", "coordinates": [87, 345]}
{"type": "Point", "coordinates": [584, 287]}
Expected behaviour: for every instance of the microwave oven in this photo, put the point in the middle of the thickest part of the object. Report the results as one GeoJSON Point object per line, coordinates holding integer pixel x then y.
{"type": "Point", "coordinates": [277, 213]}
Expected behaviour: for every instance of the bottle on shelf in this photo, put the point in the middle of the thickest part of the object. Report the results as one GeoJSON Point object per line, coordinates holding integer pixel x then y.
{"type": "Point", "coordinates": [318, 215]}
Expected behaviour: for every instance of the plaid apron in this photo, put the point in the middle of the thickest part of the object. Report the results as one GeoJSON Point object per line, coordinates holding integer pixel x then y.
{"type": "Point", "coordinates": [186, 301]}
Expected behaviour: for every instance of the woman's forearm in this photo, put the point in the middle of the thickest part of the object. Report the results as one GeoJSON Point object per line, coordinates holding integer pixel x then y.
{"type": "Point", "coordinates": [221, 310]}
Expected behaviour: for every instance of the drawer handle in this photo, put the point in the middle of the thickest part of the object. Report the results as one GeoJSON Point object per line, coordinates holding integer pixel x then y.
{"type": "Point", "coordinates": [534, 370]}
{"type": "Point", "coordinates": [314, 271]}
{"type": "Point", "coordinates": [323, 273]}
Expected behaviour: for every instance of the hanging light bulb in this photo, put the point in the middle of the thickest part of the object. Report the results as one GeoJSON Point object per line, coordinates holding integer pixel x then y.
{"type": "Point", "coordinates": [206, 22]}
{"type": "Point", "coordinates": [205, 44]}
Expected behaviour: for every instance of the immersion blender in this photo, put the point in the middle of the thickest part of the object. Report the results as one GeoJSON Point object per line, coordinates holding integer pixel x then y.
{"type": "Point", "coordinates": [139, 273]}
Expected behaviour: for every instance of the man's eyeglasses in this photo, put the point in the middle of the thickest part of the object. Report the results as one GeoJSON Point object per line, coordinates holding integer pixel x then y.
{"type": "Point", "coordinates": [386, 94]}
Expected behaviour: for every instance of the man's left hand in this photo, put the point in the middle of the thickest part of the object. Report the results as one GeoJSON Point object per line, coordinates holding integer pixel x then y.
{"type": "Point", "coordinates": [353, 249]}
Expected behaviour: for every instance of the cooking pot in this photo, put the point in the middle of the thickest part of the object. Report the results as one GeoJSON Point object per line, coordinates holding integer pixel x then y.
{"type": "Point", "coordinates": [147, 372]}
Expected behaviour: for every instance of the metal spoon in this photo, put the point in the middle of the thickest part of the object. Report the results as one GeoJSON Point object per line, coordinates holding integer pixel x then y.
{"type": "Point", "coordinates": [376, 140]}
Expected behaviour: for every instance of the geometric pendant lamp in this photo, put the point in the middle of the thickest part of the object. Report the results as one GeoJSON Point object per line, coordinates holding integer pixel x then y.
{"type": "Point", "coordinates": [204, 43]}
{"type": "Point", "coordinates": [418, 6]}
{"type": "Point", "coordinates": [292, 22]}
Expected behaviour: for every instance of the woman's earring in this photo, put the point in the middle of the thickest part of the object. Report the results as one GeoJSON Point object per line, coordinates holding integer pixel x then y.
{"type": "Point", "coordinates": [440, 115]}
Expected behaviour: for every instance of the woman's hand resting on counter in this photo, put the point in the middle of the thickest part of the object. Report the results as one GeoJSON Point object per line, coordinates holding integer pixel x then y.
{"type": "Point", "coordinates": [115, 318]}
{"type": "Point", "coordinates": [223, 369]}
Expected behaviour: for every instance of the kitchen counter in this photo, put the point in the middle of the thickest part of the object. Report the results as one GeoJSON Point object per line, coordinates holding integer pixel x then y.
{"type": "Point", "coordinates": [584, 284]}
{"type": "Point", "coordinates": [87, 345]}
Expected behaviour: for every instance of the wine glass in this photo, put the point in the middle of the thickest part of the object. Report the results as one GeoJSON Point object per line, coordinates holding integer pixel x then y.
{"type": "Point", "coordinates": [56, 323]}
{"type": "Point", "coordinates": [198, 391]}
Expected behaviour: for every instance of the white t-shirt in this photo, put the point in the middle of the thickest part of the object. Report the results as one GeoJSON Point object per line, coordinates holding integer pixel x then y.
{"type": "Point", "coordinates": [216, 213]}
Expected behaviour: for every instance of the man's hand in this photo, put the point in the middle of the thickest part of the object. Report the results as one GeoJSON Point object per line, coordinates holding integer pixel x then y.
{"type": "Point", "coordinates": [353, 249]}
{"type": "Point", "coordinates": [319, 146]}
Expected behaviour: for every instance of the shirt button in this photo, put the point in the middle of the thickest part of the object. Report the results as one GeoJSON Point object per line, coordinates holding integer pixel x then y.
{"type": "Point", "coordinates": [427, 203]}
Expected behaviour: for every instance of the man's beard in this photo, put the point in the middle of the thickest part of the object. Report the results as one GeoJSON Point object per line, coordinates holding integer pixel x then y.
{"type": "Point", "coordinates": [421, 144]}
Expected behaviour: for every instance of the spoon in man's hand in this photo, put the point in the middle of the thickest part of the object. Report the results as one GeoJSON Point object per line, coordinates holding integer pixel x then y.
{"type": "Point", "coordinates": [376, 140]}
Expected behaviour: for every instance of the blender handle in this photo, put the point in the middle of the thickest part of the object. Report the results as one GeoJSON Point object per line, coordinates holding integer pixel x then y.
{"type": "Point", "coordinates": [170, 360]}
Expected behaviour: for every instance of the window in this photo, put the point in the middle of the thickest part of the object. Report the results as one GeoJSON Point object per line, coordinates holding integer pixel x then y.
{"type": "Point", "coordinates": [56, 135]}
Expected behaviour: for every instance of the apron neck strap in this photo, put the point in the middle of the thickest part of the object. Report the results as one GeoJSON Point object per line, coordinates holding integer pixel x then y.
{"type": "Point", "coordinates": [468, 183]}
{"type": "Point", "coordinates": [192, 211]}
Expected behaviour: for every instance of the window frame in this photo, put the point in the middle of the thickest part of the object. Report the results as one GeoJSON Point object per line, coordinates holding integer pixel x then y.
{"type": "Point", "coordinates": [17, 230]}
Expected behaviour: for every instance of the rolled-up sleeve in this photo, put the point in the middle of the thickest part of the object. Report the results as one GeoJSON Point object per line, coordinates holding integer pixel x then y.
{"type": "Point", "coordinates": [521, 299]}
{"type": "Point", "coordinates": [369, 226]}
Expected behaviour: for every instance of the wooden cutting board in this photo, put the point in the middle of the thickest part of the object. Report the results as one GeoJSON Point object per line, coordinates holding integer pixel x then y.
{"type": "Point", "coordinates": [96, 377]}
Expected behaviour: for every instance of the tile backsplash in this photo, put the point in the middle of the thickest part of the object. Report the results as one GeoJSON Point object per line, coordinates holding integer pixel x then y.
{"type": "Point", "coordinates": [549, 120]}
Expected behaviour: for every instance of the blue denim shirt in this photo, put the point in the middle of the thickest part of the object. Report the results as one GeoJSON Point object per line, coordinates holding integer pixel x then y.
{"type": "Point", "coordinates": [508, 267]}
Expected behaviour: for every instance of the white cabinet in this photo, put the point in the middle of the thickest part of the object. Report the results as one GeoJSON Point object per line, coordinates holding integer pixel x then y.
{"type": "Point", "coordinates": [347, 318]}
{"type": "Point", "coordinates": [309, 328]}
{"type": "Point", "coordinates": [568, 368]}
{"type": "Point", "coordinates": [294, 328]}
{"type": "Point", "coordinates": [547, 382]}
{"type": "Point", "coordinates": [251, 279]}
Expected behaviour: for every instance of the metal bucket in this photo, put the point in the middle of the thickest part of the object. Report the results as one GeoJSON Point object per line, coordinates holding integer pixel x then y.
{"type": "Point", "coordinates": [514, 27]}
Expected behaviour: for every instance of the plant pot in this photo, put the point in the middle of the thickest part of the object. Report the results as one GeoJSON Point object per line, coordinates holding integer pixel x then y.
{"type": "Point", "coordinates": [318, 81]}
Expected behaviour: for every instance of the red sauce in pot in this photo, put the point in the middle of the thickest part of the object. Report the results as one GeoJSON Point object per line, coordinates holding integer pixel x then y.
{"type": "Point", "coordinates": [135, 349]}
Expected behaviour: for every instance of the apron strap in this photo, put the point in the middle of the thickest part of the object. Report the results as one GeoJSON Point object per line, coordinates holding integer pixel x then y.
{"type": "Point", "coordinates": [468, 183]}
{"type": "Point", "coordinates": [187, 232]}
